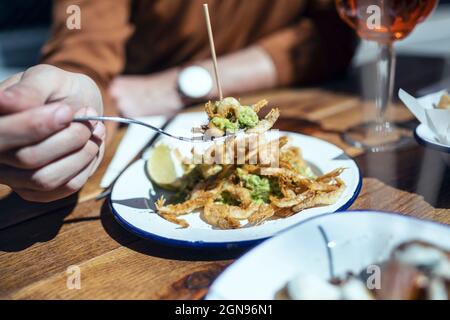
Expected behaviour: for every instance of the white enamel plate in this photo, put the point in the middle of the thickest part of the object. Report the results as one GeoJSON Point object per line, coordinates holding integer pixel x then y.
{"type": "Point", "coordinates": [324, 245]}
{"type": "Point", "coordinates": [133, 202]}
{"type": "Point", "coordinates": [425, 137]}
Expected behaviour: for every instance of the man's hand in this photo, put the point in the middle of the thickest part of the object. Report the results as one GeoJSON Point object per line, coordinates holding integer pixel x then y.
{"type": "Point", "coordinates": [43, 155]}
{"type": "Point", "coordinates": [147, 95]}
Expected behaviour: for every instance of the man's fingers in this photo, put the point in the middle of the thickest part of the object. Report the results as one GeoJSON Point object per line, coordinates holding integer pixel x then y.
{"type": "Point", "coordinates": [98, 159]}
{"type": "Point", "coordinates": [99, 132]}
{"type": "Point", "coordinates": [56, 146]}
{"type": "Point", "coordinates": [34, 125]}
{"type": "Point", "coordinates": [10, 81]}
{"type": "Point", "coordinates": [52, 176]}
{"type": "Point", "coordinates": [69, 188]}
{"type": "Point", "coordinates": [37, 85]}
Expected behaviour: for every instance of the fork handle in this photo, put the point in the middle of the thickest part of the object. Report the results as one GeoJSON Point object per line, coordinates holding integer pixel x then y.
{"type": "Point", "coordinates": [128, 121]}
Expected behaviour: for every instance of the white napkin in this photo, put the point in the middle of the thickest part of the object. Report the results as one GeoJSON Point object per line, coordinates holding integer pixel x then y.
{"type": "Point", "coordinates": [132, 143]}
{"type": "Point", "coordinates": [437, 120]}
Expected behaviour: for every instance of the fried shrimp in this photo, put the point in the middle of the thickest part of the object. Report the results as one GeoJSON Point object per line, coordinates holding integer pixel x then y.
{"type": "Point", "coordinates": [259, 105]}
{"type": "Point", "coordinates": [238, 194]}
{"type": "Point", "coordinates": [264, 212]}
{"type": "Point", "coordinates": [217, 215]}
{"type": "Point", "coordinates": [229, 115]}
{"type": "Point", "coordinates": [184, 207]}
{"type": "Point", "coordinates": [291, 201]}
{"type": "Point", "coordinates": [267, 123]}
{"type": "Point", "coordinates": [241, 192]}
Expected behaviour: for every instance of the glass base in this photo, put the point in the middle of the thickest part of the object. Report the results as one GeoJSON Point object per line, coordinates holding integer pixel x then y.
{"type": "Point", "coordinates": [378, 137]}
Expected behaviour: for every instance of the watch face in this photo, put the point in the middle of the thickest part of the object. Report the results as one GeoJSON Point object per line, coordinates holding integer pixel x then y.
{"type": "Point", "coordinates": [195, 82]}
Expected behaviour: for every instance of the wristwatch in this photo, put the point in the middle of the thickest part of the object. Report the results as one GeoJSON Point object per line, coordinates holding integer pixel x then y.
{"type": "Point", "coordinates": [194, 82]}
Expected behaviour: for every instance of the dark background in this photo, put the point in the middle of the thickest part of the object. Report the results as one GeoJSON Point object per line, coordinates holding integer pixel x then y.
{"type": "Point", "coordinates": [26, 13]}
{"type": "Point", "coordinates": [24, 27]}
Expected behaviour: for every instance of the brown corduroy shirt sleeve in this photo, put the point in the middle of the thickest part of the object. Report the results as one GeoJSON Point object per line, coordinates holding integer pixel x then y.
{"type": "Point", "coordinates": [314, 49]}
{"type": "Point", "coordinates": [98, 48]}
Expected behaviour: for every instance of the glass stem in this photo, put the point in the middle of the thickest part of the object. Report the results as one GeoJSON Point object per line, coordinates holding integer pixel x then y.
{"type": "Point", "coordinates": [386, 74]}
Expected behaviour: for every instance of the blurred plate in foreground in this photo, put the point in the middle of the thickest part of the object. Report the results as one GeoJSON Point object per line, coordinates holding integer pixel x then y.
{"type": "Point", "coordinates": [356, 239]}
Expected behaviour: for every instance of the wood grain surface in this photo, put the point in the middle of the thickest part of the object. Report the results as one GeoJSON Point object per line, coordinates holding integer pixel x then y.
{"type": "Point", "coordinates": [38, 242]}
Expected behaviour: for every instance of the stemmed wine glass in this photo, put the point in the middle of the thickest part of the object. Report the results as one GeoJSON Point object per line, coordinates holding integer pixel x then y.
{"type": "Point", "coordinates": [383, 21]}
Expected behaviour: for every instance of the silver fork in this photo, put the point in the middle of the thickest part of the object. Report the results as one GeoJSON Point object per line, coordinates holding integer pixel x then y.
{"type": "Point", "coordinates": [149, 126]}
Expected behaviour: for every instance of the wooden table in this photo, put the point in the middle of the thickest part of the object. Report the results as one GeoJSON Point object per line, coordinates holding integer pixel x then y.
{"type": "Point", "coordinates": [39, 242]}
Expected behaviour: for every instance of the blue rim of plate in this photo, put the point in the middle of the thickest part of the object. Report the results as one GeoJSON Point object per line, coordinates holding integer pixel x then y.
{"type": "Point", "coordinates": [429, 144]}
{"type": "Point", "coordinates": [221, 245]}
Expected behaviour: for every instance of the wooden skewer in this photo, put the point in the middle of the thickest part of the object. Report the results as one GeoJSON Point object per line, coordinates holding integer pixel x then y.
{"type": "Point", "coordinates": [213, 50]}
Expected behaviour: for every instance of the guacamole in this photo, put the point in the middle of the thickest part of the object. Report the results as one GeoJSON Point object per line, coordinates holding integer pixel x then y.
{"type": "Point", "coordinates": [247, 117]}
{"type": "Point", "coordinates": [225, 124]}
{"type": "Point", "coordinates": [259, 186]}
{"type": "Point", "coordinates": [243, 117]}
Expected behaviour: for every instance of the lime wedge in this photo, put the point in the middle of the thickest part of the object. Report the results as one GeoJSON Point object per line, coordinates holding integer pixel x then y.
{"type": "Point", "coordinates": [164, 167]}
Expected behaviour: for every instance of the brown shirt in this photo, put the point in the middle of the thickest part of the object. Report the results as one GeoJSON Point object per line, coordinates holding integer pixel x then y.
{"type": "Point", "coordinates": [305, 39]}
